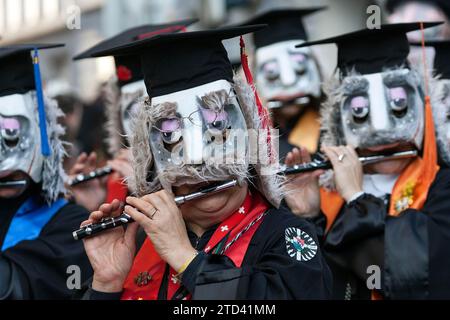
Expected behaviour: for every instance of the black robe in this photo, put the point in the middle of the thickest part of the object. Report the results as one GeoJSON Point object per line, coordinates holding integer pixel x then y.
{"type": "Point", "coordinates": [37, 269]}
{"type": "Point", "coordinates": [267, 271]}
{"type": "Point", "coordinates": [412, 249]}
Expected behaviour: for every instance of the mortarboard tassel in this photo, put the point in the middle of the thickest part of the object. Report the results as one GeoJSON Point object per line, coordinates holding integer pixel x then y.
{"type": "Point", "coordinates": [262, 112]}
{"type": "Point", "coordinates": [45, 147]}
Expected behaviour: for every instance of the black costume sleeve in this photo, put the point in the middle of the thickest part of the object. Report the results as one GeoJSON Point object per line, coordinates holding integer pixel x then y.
{"type": "Point", "coordinates": [411, 249]}
{"type": "Point", "coordinates": [355, 240]}
{"type": "Point", "coordinates": [417, 253]}
{"type": "Point", "coordinates": [37, 269]}
{"type": "Point", "coordinates": [268, 271]}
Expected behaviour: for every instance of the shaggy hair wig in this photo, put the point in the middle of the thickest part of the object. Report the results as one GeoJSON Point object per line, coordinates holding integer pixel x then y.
{"type": "Point", "coordinates": [145, 180]}
{"type": "Point", "coordinates": [441, 111]}
{"type": "Point", "coordinates": [53, 175]}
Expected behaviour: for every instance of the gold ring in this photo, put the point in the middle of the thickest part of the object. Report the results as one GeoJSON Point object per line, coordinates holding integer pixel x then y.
{"type": "Point", "coordinates": [153, 213]}
{"type": "Point", "coordinates": [341, 157]}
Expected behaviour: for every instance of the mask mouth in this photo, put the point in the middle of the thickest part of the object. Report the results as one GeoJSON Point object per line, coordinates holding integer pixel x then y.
{"type": "Point", "coordinates": [11, 179]}
{"type": "Point", "coordinates": [282, 101]}
{"type": "Point", "coordinates": [199, 187]}
{"type": "Point", "coordinates": [387, 149]}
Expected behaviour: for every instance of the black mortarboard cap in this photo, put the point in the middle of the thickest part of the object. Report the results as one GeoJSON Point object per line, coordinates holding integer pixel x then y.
{"type": "Point", "coordinates": [16, 68]}
{"type": "Point", "coordinates": [373, 50]}
{"type": "Point", "coordinates": [20, 73]}
{"type": "Point", "coordinates": [128, 68]}
{"type": "Point", "coordinates": [180, 61]}
{"type": "Point", "coordinates": [284, 24]}
{"type": "Point", "coordinates": [441, 57]}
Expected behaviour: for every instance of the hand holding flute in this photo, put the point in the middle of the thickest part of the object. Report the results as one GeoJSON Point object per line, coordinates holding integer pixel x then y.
{"type": "Point", "coordinates": [88, 182]}
{"type": "Point", "coordinates": [111, 252]}
{"type": "Point", "coordinates": [302, 194]}
{"type": "Point", "coordinates": [92, 193]}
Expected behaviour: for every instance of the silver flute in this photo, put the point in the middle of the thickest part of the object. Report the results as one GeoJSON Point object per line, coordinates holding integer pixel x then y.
{"type": "Point", "coordinates": [13, 184]}
{"type": "Point", "coordinates": [95, 174]}
{"type": "Point", "coordinates": [322, 164]}
{"type": "Point", "coordinates": [110, 223]}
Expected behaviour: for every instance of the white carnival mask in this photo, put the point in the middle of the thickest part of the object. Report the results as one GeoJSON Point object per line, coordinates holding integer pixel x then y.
{"type": "Point", "coordinates": [20, 145]}
{"type": "Point", "coordinates": [202, 129]}
{"type": "Point", "coordinates": [286, 74]}
{"type": "Point", "coordinates": [381, 109]}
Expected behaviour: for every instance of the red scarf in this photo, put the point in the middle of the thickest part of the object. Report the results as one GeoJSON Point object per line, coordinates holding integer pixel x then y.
{"type": "Point", "coordinates": [146, 275]}
{"type": "Point", "coordinates": [116, 188]}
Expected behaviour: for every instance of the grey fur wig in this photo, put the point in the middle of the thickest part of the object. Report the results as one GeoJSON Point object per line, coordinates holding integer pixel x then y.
{"type": "Point", "coordinates": [441, 90]}
{"type": "Point", "coordinates": [269, 184]}
{"type": "Point", "coordinates": [113, 125]}
{"type": "Point", "coordinates": [53, 175]}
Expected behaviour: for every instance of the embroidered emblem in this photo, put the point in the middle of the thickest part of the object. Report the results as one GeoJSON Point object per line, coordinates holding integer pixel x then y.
{"type": "Point", "coordinates": [406, 199]}
{"type": "Point", "coordinates": [224, 228]}
{"type": "Point", "coordinates": [142, 279]}
{"type": "Point", "coordinates": [242, 210]}
{"type": "Point", "coordinates": [300, 245]}
{"type": "Point", "coordinates": [174, 279]}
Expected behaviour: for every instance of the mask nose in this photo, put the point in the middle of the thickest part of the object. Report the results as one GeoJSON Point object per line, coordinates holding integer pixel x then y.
{"type": "Point", "coordinates": [288, 76]}
{"type": "Point", "coordinates": [192, 144]}
{"type": "Point", "coordinates": [379, 108]}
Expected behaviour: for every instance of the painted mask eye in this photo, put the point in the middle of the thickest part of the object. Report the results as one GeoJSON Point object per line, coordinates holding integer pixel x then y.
{"type": "Point", "coordinates": [359, 106]}
{"type": "Point", "coordinates": [398, 99]}
{"type": "Point", "coordinates": [170, 129]}
{"type": "Point", "coordinates": [271, 70]}
{"type": "Point", "coordinates": [215, 121]}
{"type": "Point", "coordinates": [299, 61]}
{"type": "Point", "coordinates": [10, 130]}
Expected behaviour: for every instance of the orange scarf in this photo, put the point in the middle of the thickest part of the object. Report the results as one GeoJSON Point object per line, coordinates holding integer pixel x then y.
{"type": "Point", "coordinates": [146, 275]}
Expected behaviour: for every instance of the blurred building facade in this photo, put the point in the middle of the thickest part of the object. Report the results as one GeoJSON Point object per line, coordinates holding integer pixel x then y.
{"type": "Point", "coordinates": [82, 23]}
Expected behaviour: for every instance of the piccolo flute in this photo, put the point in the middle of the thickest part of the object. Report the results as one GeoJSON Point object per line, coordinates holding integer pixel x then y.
{"type": "Point", "coordinates": [98, 173]}
{"type": "Point", "coordinates": [322, 164]}
{"type": "Point", "coordinates": [123, 219]}
{"type": "Point", "coordinates": [13, 184]}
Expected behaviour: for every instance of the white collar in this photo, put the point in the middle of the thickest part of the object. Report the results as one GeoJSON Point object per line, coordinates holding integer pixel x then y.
{"type": "Point", "coordinates": [379, 184]}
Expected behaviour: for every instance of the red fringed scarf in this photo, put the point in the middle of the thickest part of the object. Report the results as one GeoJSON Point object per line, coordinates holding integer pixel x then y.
{"type": "Point", "coordinates": [116, 188]}
{"type": "Point", "coordinates": [266, 122]}
{"type": "Point", "coordinates": [231, 239]}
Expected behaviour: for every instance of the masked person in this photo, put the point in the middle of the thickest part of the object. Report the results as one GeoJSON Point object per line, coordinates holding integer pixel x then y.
{"type": "Point", "coordinates": [36, 221]}
{"type": "Point", "coordinates": [385, 224]}
{"type": "Point", "coordinates": [230, 245]}
{"type": "Point", "coordinates": [123, 94]}
{"type": "Point", "coordinates": [441, 107]}
{"type": "Point", "coordinates": [403, 11]}
{"type": "Point", "coordinates": [288, 78]}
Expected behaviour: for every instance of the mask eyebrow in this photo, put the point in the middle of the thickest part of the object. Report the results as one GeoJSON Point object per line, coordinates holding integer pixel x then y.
{"type": "Point", "coordinates": [162, 110]}
{"type": "Point", "coordinates": [397, 78]}
{"type": "Point", "coordinates": [355, 85]}
{"type": "Point", "coordinates": [215, 100]}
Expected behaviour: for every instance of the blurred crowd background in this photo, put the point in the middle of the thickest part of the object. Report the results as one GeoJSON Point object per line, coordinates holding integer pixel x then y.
{"type": "Point", "coordinates": [78, 86]}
